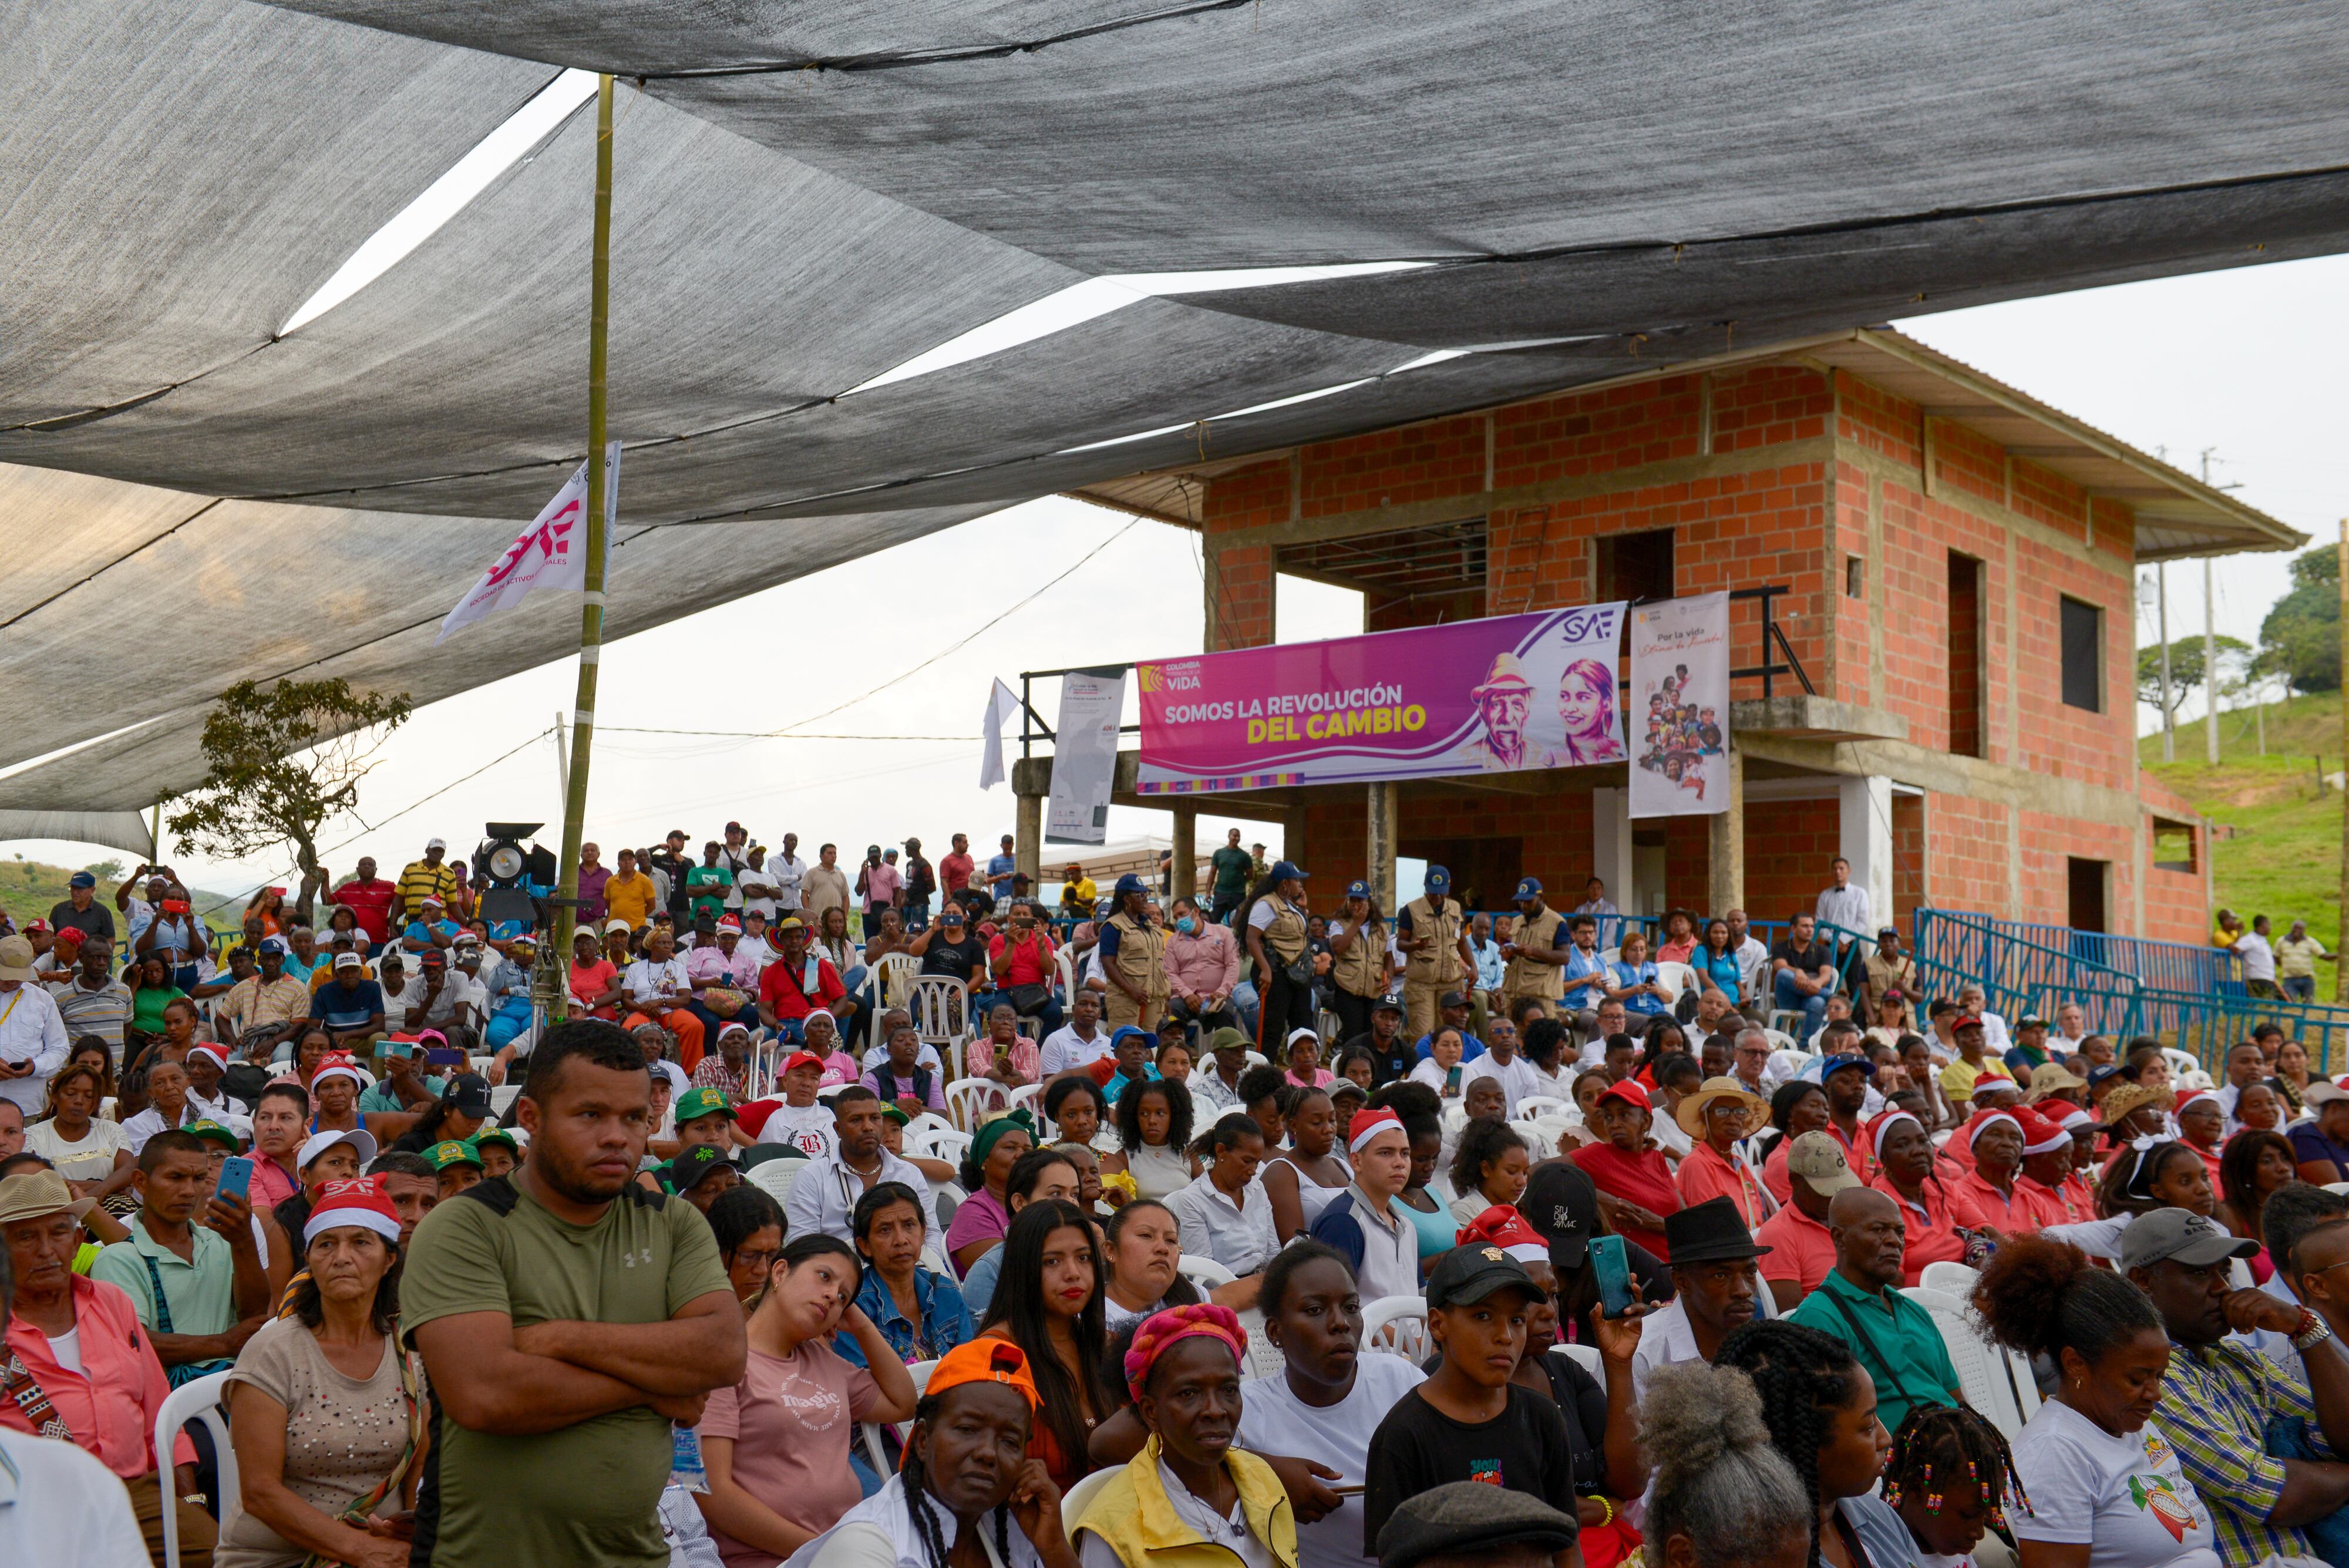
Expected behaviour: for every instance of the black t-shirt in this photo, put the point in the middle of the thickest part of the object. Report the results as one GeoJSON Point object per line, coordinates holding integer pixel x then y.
{"type": "Point", "coordinates": [1810, 959]}
{"type": "Point", "coordinates": [1394, 1060]}
{"type": "Point", "coordinates": [1527, 1447]}
{"type": "Point", "coordinates": [98, 920]}
{"type": "Point", "coordinates": [943, 957]}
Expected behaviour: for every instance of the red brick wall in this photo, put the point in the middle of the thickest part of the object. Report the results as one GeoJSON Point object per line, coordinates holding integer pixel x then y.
{"type": "Point", "coordinates": [1773, 524]}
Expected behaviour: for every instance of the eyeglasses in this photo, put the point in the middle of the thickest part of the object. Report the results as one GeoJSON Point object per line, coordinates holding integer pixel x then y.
{"type": "Point", "coordinates": [757, 1260]}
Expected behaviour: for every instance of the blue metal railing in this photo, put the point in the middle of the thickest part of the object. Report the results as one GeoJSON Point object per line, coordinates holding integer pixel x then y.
{"type": "Point", "coordinates": [2022, 975]}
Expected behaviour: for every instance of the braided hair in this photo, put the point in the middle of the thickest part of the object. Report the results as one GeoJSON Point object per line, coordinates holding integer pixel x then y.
{"type": "Point", "coordinates": [1934, 1442]}
{"type": "Point", "coordinates": [925, 1512]}
{"type": "Point", "coordinates": [1802, 1375]}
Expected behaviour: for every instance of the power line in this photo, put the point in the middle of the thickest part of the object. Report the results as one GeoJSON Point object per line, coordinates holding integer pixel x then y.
{"type": "Point", "coordinates": [770, 734]}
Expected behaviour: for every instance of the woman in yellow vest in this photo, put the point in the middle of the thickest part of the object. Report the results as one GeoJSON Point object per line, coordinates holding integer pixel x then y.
{"type": "Point", "coordinates": [1189, 1500]}
{"type": "Point", "coordinates": [1133, 959]}
{"type": "Point", "coordinates": [1274, 926]}
{"type": "Point", "coordinates": [1358, 963]}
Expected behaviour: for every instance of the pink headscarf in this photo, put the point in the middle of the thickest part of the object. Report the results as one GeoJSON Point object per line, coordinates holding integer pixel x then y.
{"type": "Point", "coordinates": [1162, 1330]}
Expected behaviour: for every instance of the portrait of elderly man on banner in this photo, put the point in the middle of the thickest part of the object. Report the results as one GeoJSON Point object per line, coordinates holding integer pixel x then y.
{"type": "Point", "coordinates": [1517, 734]}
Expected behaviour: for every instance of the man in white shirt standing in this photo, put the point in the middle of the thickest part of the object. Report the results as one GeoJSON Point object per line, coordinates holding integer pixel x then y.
{"type": "Point", "coordinates": [786, 873]}
{"type": "Point", "coordinates": [32, 1032]}
{"type": "Point", "coordinates": [2256, 948]}
{"type": "Point", "coordinates": [1752, 953]}
{"type": "Point", "coordinates": [1844, 903]}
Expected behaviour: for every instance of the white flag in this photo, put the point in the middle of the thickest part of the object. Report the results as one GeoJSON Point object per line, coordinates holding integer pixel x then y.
{"type": "Point", "coordinates": [552, 553]}
{"type": "Point", "coordinates": [1002, 704]}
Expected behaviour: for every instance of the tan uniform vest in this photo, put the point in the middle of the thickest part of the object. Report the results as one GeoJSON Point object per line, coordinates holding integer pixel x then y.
{"type": "Point", "coordinates": [1438, 961]}
{"type": "Point", "coordinates": [1140, 956]}
{"type": "Point", "coordinates": [1285, 938]}
{"type": "Point", "coordinates": [1529, 976]}
{"type": "Point", "coordinates": [1362, 969]}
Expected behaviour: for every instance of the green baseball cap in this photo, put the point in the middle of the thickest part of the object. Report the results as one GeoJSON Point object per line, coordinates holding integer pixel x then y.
{"type": "Point", "coordinates": [689, 1169]}
{"type": "Point", "coordinates": [895, 1113]}
{"type": "Point", "coordinates": [453, 1151]}
{"type": "Point", "coordinates": [694, 1104]}
{"type": "Point", "coordinates": [225, 1136]}
{"type": "Point", "coordinates": [496, 1135]}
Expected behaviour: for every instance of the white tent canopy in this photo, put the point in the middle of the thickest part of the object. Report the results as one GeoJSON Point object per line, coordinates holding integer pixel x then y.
{"type": "Point", "coordinates": [808, 196]}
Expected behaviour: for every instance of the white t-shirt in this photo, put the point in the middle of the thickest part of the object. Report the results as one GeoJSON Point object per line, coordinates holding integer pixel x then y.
{"type": "Point", "coordinates": [63, 1506]}
{"type": "Point", "coordinates": [807, 1128]}
{"type": "Point", "coordinates": [1274, 1420]}
{"type": "Point", "coordinates": [2259, 958]}
{"type": "Point", "coordinates": [65, 1349]}
{"type": "Point", "coordinates": [89, 1161]}
{"type": "Point", "coordinates": [646, 977]}
{"type": "Point", "coordinates": [1435, 1076]}
{"type": "Point", "coordinates": [2124, 1497]}
{"type": "Point", "coordinates": [1520, 1079]}
{"type": "Point", "coordinates": [1063, 1049]}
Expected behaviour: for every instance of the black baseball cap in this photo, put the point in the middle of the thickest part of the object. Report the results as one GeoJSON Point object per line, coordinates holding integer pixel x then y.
{"type": "Point", "coordinates": [1466, 1276]}
{"type": "Point", "coordinates": [690, 1168]}
{"type": "Point", "coordinates": [469, 1094]}
{"type": "Point", "coordinates": [1561, 1202]}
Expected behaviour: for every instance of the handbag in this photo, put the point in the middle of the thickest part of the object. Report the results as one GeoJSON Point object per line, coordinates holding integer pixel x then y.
{"type": "Point", "coordinates": [1298, 971]}
{"type": "Point", "coordinates": [1026, 999]}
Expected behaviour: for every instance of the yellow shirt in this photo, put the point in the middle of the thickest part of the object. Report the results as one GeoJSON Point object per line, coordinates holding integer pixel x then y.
{"type": "Point", "coordinates": [1081, 891]}
{"type": "Point", "coordinates": [629, 898]}
{"type": "Point", "coordinates": [417, 880]}
{"type": "Point", "coordinates": [1959, 1077]}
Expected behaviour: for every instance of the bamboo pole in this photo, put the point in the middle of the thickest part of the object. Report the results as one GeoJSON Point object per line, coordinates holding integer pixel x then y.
{"type": "Point", "coordinates": [591, 611]}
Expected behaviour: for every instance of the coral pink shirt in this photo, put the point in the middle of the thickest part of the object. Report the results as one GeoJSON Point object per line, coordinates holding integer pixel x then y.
{"type": "Point", "coordinates": [111, 1404]}
{"type": "Point", "coordinates": [1705, 1175]}
{"type": "Point", "coordinates": [1801, 1248]}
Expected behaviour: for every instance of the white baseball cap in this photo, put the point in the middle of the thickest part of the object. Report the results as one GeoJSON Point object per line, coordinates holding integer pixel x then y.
{"type": "Point", "coordinates": [319, 1143]}
{"type": "Point", "coordinates": [436, 844]}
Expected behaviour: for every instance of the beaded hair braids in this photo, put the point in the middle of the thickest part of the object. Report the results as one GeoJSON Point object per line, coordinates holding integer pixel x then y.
{"type": "Point", "coordinates": [1942, 1448]}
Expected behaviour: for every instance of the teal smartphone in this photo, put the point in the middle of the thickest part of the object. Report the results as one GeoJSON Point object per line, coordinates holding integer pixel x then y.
{"type": "Point", "coordinates": [1614, 1272]}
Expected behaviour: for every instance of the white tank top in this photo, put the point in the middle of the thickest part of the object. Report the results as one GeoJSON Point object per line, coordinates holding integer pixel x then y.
{"type": "Point", "coordinates": [1311, 1196]}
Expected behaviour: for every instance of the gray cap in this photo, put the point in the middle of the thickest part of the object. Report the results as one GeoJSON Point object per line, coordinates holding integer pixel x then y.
{"type": "Point", "coordinates": [2179, 1236]}
{"type": "Point", "coordinates": [1463, 1517]}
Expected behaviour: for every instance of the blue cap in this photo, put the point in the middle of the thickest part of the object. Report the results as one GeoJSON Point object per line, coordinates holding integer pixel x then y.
{"type": "Point", "coordinates": [1834, 1065]}
{"type": "Point", "coordinates": [1358, 889]}
{"type": "Point", "coordinates": [82, 880]}
{"type": "Point", "coordinates": [1282, 870]}
{"type": "Point", "coordinates": [1529, 887]}
{"type": "Point", "coordinates": [1439, 880]}
{"type": "Point", "coordinates": [2099, 1074]}
{"type": "Point", "coordinates": [275, 945]}
{"type": "Point", "coordinates": [1129, 883]}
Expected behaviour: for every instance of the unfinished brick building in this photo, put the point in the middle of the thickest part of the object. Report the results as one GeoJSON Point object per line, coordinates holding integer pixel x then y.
{"type": "Point", "coordinates": [1938, 644]}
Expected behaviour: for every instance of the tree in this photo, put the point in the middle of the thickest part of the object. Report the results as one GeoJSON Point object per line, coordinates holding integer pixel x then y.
{"type": "Point", "coordinates": [283, 762]}
{"type": "Point", "coordinates": [2184, 669]}
{"type": "Point", "coordinates": [2300, 637]}
{"type": "Point", "coordinates": [104, 871]}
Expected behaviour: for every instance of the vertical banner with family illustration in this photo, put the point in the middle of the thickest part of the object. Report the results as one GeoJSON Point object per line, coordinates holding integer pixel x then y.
{"type": "Point", "coordinates": [1676, 713]}
{"type": "Point", "coordinates": [1084, 755]}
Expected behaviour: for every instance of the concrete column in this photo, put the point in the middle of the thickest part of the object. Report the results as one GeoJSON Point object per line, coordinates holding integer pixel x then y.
{"type": "Point", "coordinates": [1292, 839]}
{"type": "Point", "coordinates": [1027, 840]}
{"type": "Point", "coordinates": [1187, 850]}
{"type": "Point", "coordinates": [1385, 819]}
{"type": "Point", "coordinates": [1865, 838]}
{"type": "Point", "coordinates": [1610, 853]}
{"type": "Point", "coordinates": [1725, 859]}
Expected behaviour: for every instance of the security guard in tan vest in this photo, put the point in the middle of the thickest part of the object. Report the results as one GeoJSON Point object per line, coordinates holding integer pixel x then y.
{"type": "Point", "coordinates": [1276, 936]}
{"type": "Point", "coordinates": [1134, 960]}
{"type": "Point", "coordinates": [1536, 950]}
{"type": "Point", "coordinates": [1359, 965]}
{"type": "Point", "coordinates": [1432, 931]}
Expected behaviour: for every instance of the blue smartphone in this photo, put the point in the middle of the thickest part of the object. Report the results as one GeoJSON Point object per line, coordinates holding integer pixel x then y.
{"type": "Point", "coordinates": [235, 1178]}
{"type": "Point", "coordinates": [1614, 1272]}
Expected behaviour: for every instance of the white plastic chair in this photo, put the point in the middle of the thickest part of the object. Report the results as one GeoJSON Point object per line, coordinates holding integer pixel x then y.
{"type": "Point", "coordinates": [941, 1007]}
{"type": "Point", "coordinates": [1064, 963]}
{"type": "Point", "coordinates": [1203, 1272]}
{"type": "Point", "coordinates": [1533, 1107]}
{"type": "Point", "coordinates": [2180, 1062]}
{"type": "Point", "coordinates": [1951, 1279]}
{"type": "Point", "coordinates": [1982, 1374]}
{"type": "Point", "coordinates": [1397, 1324]}
{"type": "Point", "coordinates": [775, 1177]}
{"type": "Point", "coordinates": [1780, 1017]}
{"type": "Point", "coordinates": [928, 1122]}
{"type": "Point", "coordinates": [1782, 1040]}
{"type": "Point", "coordinates": [892, 976]}
{"type": "Point", "coordinates": [1031, 1097]}
{"type": "Point", "coordinates": [1264, 1357]}
{"type": "Point", "coordinates": [949, 1146]}
{"type": "Point", "coordinates": [1675, 974]}
{"type": "Point", "coordinates": [968, 1099]}
{"type": "Point", "coordinates": [1081, 1498]}
{"type": "Point", "coordinates": [919, 1371]}
{"type": "Point", "coordinates": [502, 1097]}
{"type": "Point", "coordinates": [196, 1401]}
{"type": "Point", "coordinates": [1587, 1356]}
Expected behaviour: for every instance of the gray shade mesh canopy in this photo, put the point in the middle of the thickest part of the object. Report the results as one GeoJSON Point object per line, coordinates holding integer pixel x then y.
{"type": "Point", "coordinates": [808, 196]}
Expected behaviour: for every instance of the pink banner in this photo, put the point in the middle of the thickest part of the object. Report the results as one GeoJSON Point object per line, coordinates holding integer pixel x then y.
{"type": "Point", "coordinates": [1500, 695]}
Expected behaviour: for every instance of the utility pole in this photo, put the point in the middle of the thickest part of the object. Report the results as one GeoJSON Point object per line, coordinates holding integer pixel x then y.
{"type": "Point", "coordinates": [2161, 596]}
{"type": "Point", "coordinates": [2341, 940]}
{"type": "Point", "coordinates": [590, 612]}
{"type": "Point", "coordinates": [2209, 647]}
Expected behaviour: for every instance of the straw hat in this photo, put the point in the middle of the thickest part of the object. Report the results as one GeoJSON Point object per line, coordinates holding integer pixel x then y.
{"type": "Point", "coordinates": [37, 1194]}
{"type": "Point", "coordinates": [2051, 1078]}
{"type": "Point", "coordinates": [1689, 1114]}
{"type": "Point", "coordinates": [2130, 1098]}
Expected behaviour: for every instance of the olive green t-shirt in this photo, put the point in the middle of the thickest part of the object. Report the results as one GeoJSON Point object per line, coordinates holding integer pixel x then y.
{"type": "Point", "coordinates": [584, 1494]}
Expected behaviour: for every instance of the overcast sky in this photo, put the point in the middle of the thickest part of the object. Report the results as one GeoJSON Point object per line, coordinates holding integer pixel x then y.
{"type": "Point", "coordinates": [2245, 361]}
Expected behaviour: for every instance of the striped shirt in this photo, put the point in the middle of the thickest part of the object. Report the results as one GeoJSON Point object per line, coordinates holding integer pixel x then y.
{"type": "Point", "coordinates": [419, 880]}
{"type": "Point", "coordinates": [103, 1012]}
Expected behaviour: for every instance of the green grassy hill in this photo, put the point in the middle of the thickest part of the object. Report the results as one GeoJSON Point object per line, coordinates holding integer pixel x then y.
{"type": "Point", "coordinates": [29, 890]}
{"type": "Point", "coordinates": [2277, 847]}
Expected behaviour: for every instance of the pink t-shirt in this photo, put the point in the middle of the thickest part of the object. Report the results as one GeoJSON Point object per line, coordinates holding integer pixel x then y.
{"type": "Point", "coordinates": [1801, 1248]}
{"type": "Point", "coordinates": [792, 1420]}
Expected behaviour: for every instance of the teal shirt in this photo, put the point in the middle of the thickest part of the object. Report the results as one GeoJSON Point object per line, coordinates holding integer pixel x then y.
{"type": "Point", "coordinates": [382, 1097]}
{"type": "Point", "coordinates": [200, 1293]}
{"type": "Point", "coordinates": [1900, 1347]}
